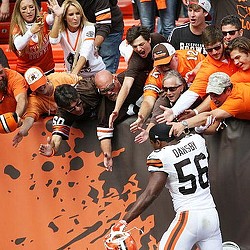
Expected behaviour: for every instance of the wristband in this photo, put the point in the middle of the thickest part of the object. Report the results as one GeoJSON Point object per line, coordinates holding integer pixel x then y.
{"type": "Point", "coordinates": [196, 111]}
{"type": "Point", "coordinates": [53, 153]}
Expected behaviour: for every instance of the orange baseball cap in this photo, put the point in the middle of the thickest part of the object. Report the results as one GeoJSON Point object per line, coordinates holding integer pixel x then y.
{"type": "Point", "coordinates": [162, 53]}
{"type": "Point", "coordinates": [35, 78]}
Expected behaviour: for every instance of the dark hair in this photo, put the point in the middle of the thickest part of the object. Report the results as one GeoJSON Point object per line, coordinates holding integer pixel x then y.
{"type": "Point", "coordinates": [211, 35]}
{"type": "Point", "coordinates": [160, 132]}
{"type": "Point", "coordinates": [231, 20]}
{"type": "Point", "coordinates": [64, 95]}
{"type": "Point", "coordinates": [241, 43]}
{"type": "Point", "coordinates": [136, 31]}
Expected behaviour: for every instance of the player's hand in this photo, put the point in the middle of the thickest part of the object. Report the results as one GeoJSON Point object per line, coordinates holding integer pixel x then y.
{"type": "Point", "coordinates": [46, 149]}
{"type": "Point", "coordinates": [112, 118]}
{"type": "Point", "coordinates": [142, 137]}
{"type": "Point", "coordinates": [119, 226]}
{"type": "Point", "coordinates": [137, 124]}
{"type": "Point", "coordinates": [177, 129]}
{"type": "Point", "coordinates": [166, 116]}
{"type": "Point", "coordinates": [108, 162]}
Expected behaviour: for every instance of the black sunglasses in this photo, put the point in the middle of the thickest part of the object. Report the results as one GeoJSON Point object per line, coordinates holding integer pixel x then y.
{"type": "Point", "coordinates": [231, 32]}
{"type": "Point", "coordinates": [170, 89]}
{"type": "Point", "coordinates": [79, 102]}
{"type": "Point", "coordinates": [214, 48]}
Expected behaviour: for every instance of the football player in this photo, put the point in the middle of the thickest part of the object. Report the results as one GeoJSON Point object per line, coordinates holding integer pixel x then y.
{"type": "Point", "coordinates": [180, 164]}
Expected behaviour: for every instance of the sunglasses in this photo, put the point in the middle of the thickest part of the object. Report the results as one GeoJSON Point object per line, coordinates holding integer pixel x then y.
{"type": "Point", "coordinates": [110, 87]}
{"type": "Point", "coordinates": [231, 32]}
{"type": "Point", "coordinates": [214, 48]}
{"type": "Point", "coordinates": [170, 89]}
{"type": "Point", "coordinates": [79, 102]}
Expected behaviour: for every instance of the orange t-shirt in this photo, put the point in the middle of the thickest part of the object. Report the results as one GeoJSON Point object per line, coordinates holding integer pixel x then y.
{"type": "Point", "coordinates": [238, 102]}
{"type": "Point", "coordinates": [33, 55]}
{"type": "Point", "coordinates": [208, 67]}
{"type": "Point", "coordinates": [241, 76]}
{"type": "Point", "coordinates": [16, 85]}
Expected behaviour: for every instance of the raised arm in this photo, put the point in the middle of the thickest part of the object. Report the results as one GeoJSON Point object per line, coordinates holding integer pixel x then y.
{"type": "Point", "coordinates": [107, 153]}
{"type": "Point", "coordinates": [157, 181]}
{"type": "Point", "coordinates": [199, 120]}
{"type": "Point", "coordinates": [22, 102]}
{"type": "Point", "coordinates": [123, 93]}
{"type": "Point", "coordinates": [23, 130]}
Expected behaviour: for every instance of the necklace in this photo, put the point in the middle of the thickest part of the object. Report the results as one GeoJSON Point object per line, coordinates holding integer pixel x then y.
{"type": "Point", "coordinates": [73, 47]}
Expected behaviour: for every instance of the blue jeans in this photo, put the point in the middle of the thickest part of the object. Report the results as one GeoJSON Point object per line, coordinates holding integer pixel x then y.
{"type": "Point", "coordinates": [109, 51]}
{"type": "Point", "coordinates": [167, 16]}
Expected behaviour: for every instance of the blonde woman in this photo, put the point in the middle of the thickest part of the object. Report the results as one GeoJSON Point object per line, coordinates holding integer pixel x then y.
{"type": "Point", "coordinates": [76, 36]}
{"type": "Point", "coordinates": [29, 37]}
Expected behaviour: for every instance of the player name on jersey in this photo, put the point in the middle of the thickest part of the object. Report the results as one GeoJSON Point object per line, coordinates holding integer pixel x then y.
{"type": "Point", "coordinates": [184, 150]}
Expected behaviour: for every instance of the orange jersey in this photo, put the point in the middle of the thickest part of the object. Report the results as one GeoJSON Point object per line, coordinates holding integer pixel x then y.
{"type": "Point", "coordinates": [16, 85]}
{"type": "Point", "coordinates": [208, 67]}
{"type": "Point", "coordinates": [238, 102]}
{"type": "Point", "coordinates": [241, 76]}
{"type": "Point", "coordinates": [33, 55]}
{"type": "Point", "coordinates": [187, 61]}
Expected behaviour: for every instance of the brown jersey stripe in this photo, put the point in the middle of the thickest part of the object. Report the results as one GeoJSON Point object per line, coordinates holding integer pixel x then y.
{"type": "Point", "coordinates": [154, 163]}
{"type": "Point", "coordinates": [177, 231]}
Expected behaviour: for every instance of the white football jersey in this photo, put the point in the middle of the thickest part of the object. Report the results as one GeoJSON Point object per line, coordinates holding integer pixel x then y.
{"type": "Point", "coordinates": [69, 41]}
{"type": "Point", "coordinates": [186, 164]}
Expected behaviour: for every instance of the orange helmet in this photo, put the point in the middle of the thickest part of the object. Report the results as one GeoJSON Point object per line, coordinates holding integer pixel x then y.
{"type": "Point", "coordinates": [8, 122]}
{"type": "Point", "coordinates": [118, 240]}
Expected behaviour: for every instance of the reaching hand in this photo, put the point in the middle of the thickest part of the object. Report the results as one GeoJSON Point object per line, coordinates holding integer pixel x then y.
{"type": "Point", "coordinates": [46, 149]}
{"type": "Point", "coordinates": [112, 118]}
{"type": "Point", "coordinates": [137, 124]}
{"type": "Point", "coordinates": [119, 226]}
{"type": "Point", "coordinates": [142, 137]}
{"type": "Point", "coordinates": [166, 116]}
{"type": "Point", "coordinates": [17, 138]}
{"type": "Point", "coordinates": [108, 162]}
